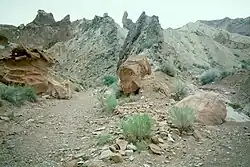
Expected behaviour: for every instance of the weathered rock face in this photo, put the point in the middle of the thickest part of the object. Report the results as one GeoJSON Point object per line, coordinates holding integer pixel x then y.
{"type": "Point", "coordinates": [210, 110]}
{"type": "Point", "coordinates": [42, 32]}
{"type": "Point", "coordinates": [146, 34]}
{"type": "Point", "coordinates": [92, 53]}
{"type": "Point", "coordinates": [44, 18]}
{"type": "Point", "coordinates": [131, 73]}
{"type": "Point", "coordinates": [3, 40]}
{"type": "Point", "coordinates": [127, 23]}
{"type": "Point", "coordinates": [239, 25]}
{"type": "Point", "coordinates": [31, 67]}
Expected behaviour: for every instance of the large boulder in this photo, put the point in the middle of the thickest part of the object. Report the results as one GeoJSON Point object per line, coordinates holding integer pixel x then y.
{"type": "Point", "coordinates": [210, 109]}
{"type": "Point", "coordinates": [131, 73]}
{"type": "Point", "coordinates": [30, 67]}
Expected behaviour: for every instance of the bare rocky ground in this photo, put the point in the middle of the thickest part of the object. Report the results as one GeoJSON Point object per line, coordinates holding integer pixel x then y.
{"type": "Point", "coordinates": [50, 132]}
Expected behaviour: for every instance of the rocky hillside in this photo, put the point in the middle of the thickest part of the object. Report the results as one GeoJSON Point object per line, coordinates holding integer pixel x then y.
{"type": "Point", "coordinates": [86, 50]}
{"type": "Point", "coordinates": [190, 49]}
{"type": "Point", "coordinates": [239, 25]}
{"type": "Point", "coordinates": [200, 47]}
{"type": "Point", "coordinates": [92, 53]}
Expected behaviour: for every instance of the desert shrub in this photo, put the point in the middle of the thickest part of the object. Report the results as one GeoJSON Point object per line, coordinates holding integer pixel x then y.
{"type": "Point", "coordinates": [227, 72]}
{"type": "Point", "coordinates": [137, 127]}
{"type": "Point", "coordinates": [180, 90]}
{"type": "Point", "coordinates": [116, 90]}
{"type": "Point", "coordinates": [110, 79]}
{"type": "Point", "coordinates": [104, 139]}
{"type": "Point", "coordinates": [209, 76]}
{"type": "Point", "coordinates": [182, 118]}
{"type": "Point", "coordinates": [108, 103]}
{"type": "Point", "coordinates": [168, 69]}
{"type": "Point", "coordinates": [17, 95]}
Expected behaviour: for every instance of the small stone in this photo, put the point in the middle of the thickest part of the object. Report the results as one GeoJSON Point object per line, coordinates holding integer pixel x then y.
{"type": "Point", "coordinates": [122, 152]}
{"type": "Point", "coordinates": [131, 158]}
{"type": "Point", "coordinates": [41, 121]}
{"type": "Point", "coordinates": [131, 147]}
{"type": "Point", "coordinates": [170, 138]}
{"type": "Point", "coordinates": [122, 144]}
{"type": "Point", "coordinates": [80, 162]}
{"type": "Point", "coordinates": [45, 137]}
{"type": "Point", "coordinates": [5, 118]}
{"type": "Point", "coordinates": [105, 154]}
{"type": "Point", "coordinates": [129, 152]}
{"type": "Point", "coordinates": [80, 155]}
{"type": "Point", "coordinates": [72, 163]}
{"type": "Point", "coordinates": [155, 139]}
{"type": "Point", "coordinates": [172, 101]}
{"type": "Point", "coordinates": [117, 158]}
{"type": "Point", "coordinates": [61, 132]}
{"type": "Point", "coordinates": [113, 148]}
{"type": "Point", "coordinates": [247, 134]}
{"type": "Point", "coordinates": [101, 128]}
{"type": "Point", "coordinates": [161, 140]}
{"type": "Point", "coordinates": [166, 162]}
{"type": "Point", "coordinates": [155, 149]}
{"type": "Point", "coordinates": [164, 146]}
{"type": "Point", "coordinates": [146, 165]}
{"type": "Point", "coordinates": [197, 135]}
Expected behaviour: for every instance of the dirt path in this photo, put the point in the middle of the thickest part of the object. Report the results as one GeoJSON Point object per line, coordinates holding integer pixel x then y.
{"type": "Point", "coordinates": [47, 133]}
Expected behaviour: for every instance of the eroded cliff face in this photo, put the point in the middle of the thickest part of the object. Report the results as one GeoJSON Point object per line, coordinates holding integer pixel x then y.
{"type": "Point", "coordinates": [43, 32]}
{"type": "Point", "coordinates": [146, 37]}
{"type": "Point", "coordinates": [92, 53]}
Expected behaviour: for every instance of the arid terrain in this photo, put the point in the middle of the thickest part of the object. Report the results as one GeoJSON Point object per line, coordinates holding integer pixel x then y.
{"type": "Point", "coordinates": [75, 65]}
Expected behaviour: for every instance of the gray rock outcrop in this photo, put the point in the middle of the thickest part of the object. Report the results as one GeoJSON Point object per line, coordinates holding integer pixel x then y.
{"type": "Point", "coordinates": [127, 23]}
{"type": "Point", "coordinates": [43, 32]}
{"type": "Point", "coordinates": [44, 18]}
{"type": "Point", "coordinates": [147, 34]}
{"type": "Point", "coordinates": [239, 25]}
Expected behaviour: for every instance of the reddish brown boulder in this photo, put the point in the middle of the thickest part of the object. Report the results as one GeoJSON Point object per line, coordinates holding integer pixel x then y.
{"type": "Point", "coordinates": [30, 67]}
{"type": "Point", "coordinates": [210, 109]}
{"type": "Point", "coordinates": [131, 73]}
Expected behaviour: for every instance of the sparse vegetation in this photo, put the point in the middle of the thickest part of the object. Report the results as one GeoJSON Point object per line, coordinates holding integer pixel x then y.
{"type": "Point", "coordinates": [108, 103]}
{"type": "Point", "coordinates": [168, 69]}
{"type": "Point", "coordinates": [245, 64]}
{"type": "Point", "coordinates": [180, 90]}
{"type": "Point", "coordinates": [209, 76]}
{"type": "Point", "coordinates": [182, 118]}
{"type": "Point", "coordinates": [137, 127]}
{"type": "Point", "coordinates": [104, 139]}
{"type": "Point", "coordinates": [225, 73]}
{"type": "Point", "coordinates": [17, 95]}
{"type": "Point", "coordinates": [110, 79]}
